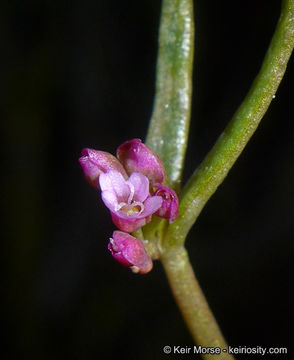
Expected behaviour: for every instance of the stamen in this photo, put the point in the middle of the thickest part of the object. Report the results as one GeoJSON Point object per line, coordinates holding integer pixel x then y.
{"type": "Point", "coordinates": [137, 204]}
{"type": "Point", "coordinates": [119, 206]}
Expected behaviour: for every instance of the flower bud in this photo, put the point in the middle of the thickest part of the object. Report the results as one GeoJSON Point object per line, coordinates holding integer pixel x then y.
{"type": "Point", "coordinates": [137, 157]}
{"type": "Point", "coordinates": [94, 162]}
{"type": "Point", "coordinates": [170, 202]}
{"type": "Point", "coordinates": [130, 252]}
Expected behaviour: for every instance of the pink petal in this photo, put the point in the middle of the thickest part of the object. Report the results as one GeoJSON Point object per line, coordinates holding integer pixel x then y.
{"type": "Point", "coordinates": [137, 157]}
{"type": "Point", "coordinates": [130, 251]}
{"type": "Point", "coordinates": [110, 200]}
{"type": "Point", "coordinates": [113, 181]}
{"type": "Point", "coordinates": [152, 204]}
{"type": "Point", "coordinates": [116, 251]}
{"type": "Point", "coordinates": [141, 186]}
{"type": "Point", "coordinates": [170, 204]}
{"type": "Point", "coordinates": [126, 223]}
{"type": "Point", "coordinates": [94, 162]}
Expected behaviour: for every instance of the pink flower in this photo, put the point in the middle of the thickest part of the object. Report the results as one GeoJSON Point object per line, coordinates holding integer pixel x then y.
{"type": "Point", "coordinates": [125, 183]}
{"type": "Point", "coordinates": [130, 252]}
{"type": "Point", "coordinates": [170, 202]}
{"type": "Point", "coordinates": [137, 157]}
{"type": "Point", "coordinates": [129, 201]}
{"type": "Point", "coordinates": [94, 162]}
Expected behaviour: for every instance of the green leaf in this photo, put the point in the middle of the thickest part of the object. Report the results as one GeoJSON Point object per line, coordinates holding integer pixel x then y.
{"type": "Point", "coordinates": [168, 131]}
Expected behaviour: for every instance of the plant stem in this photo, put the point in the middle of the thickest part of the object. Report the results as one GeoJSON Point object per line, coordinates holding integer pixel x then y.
{"type": "Point", "coordinates": [232, 141]}
{"type": "Point", "coordinates": [169, 126]}
{"type": "Point", "coordinates": [192, 303]}
{"type": "Point", "coordinates": [168, 136]}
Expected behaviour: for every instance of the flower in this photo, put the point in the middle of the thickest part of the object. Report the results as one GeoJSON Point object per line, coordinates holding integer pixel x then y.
{"type": "Point", "coordinates": [129, 201]}
{"type": "Point", "coordinates": [94, 162]}
{"type": "Point", "coordinates": [131, 188]}
{"type": "Point", "coordinates": [137, 157]}
{"type": "Point", "coordinates": [130, 252]}
{"type": "Point", "coordinates": [170, 202]}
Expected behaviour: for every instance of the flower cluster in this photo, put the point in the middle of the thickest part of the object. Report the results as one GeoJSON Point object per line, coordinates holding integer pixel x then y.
{"type": "Point", "coordinates": [132, 188]}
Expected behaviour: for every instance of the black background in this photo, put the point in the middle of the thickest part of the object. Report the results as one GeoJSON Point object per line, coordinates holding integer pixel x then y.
{"type": "Point", "coordinates": [81, 74]}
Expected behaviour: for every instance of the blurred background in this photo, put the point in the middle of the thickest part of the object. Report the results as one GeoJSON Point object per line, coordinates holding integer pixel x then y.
{"type": "Point", "coordinates": [81, 74]}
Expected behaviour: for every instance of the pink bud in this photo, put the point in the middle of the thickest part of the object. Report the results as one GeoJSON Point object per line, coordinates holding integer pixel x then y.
{"type": "Point", "coordinates": [94, 162]}
{"type": "Point", "coordinates": [130, 252]}
{"type": "Point", "coordinates": [137, 157]}
{"type": "Point", "coordinates": [170, 202]}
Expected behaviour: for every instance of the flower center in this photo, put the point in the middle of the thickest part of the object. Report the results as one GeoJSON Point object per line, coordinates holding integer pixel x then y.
{"type": "Point", "coordinates": [131, 207]}
{"type": "Point", "coordinates": [135, 207]}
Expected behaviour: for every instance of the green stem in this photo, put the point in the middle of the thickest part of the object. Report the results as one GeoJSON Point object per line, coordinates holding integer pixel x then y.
{"type": "Point", "coordinates": [192, 303]}
{"type": "Point", "coordinates": [168, 131]}
{"type": "Point", "coordinates": [138, 234]}
{"type": "Point", "coordinates": [232, 141]}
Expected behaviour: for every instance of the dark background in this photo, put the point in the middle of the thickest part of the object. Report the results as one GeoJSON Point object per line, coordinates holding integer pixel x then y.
{"type": "Point", "coordinates": [81, 74]}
